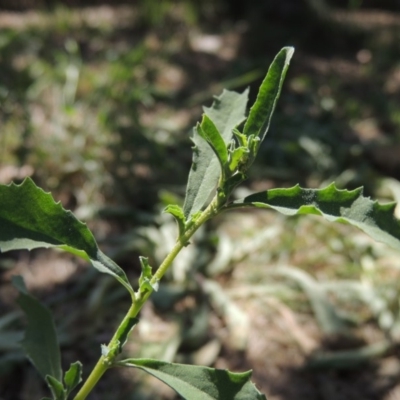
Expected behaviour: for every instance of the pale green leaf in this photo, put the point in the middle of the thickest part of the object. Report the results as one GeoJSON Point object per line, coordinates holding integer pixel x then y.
{"type": "Point", "coordinates": [194, 382]}
{"type": "Point", "coordinates": [377, 220]}
{"type": "Point", "coordinates": [177, 212]}
{"type": "Point", "coordinates": [227, 112]}
{"type": "Point", "coordinates": [30, 218]}
{"type": "Point", "coordinates": [40, 341]}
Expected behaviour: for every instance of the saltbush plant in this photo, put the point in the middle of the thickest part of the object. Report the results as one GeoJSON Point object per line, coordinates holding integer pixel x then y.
{"type": "Point", "coordinates": [226, 143]}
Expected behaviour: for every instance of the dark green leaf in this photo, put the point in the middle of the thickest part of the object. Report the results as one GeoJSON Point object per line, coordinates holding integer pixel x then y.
{"type": "Point", "coordinates": [30, 218]}
{"type": "Point", "coordinates": [56, 387]}
{"type": "Point", "coordinates": [40, 342]}
{"type": "Point", "coordinates": [377, 220]}
{"type": "Point", "coordinates": [124, 330]}
{"type": "Point", "coordinates": [199, 383]}
{"type": "Point", "coordinates": [73, 377]}
{"type": "Point", "coordinates": [227, 111]}
{"type": "Point", "coordinates": [209, 132]}
{"type": "Point", "coordinates": [261, 112]}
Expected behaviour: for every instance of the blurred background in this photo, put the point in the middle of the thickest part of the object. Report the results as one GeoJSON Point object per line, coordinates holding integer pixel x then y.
{"type": "Point", "coordinates": [97, 101]}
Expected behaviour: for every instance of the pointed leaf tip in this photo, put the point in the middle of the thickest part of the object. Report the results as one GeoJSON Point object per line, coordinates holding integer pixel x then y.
{"type": "Point", "coordinates": [262, 110]}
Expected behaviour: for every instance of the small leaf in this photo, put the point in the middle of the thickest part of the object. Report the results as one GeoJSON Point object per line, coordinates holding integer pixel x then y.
{"type": "Point", "coordinates": [40, 342]}
{"type": "Point", "coordinates": [177, 212]}
{"type": "Point", "coordinates": [30, 218]}
{"type": "Point", "coordinates": [73, 376]}
{"type": "Point", "coordinates": [209, 132]}
{"type": "Point", "coordinates": [261, 112]}
{"type": "Point", "coordinates": [237, 156]}
{"type": "Point", "coordinates": [124, 330]}
{"type": "Point", "coordinates": [146, 276]}
{"type": "Point", "coordinates": [227, 112]}
{"type": "Point", "coordinates": [199, 383]}
{"type": "Point", "coordinates": [56, 387]}
{"type": "Point", "coordinates": [377, 220]}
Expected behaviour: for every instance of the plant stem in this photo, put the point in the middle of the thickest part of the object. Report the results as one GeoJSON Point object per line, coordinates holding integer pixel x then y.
{"type": "Point", "coordinates": [106, 361]}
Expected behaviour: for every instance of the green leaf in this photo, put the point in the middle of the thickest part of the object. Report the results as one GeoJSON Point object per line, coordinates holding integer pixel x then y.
{"type": "Point", "coordinates": [124, 330]}
{"type": "Point", "coordinates": [236, 156]}
{"type": "Point", "coordinates": [73, 377]}
{"type": "Point", "coordinates": [56, 387]}
{"type": "Point", "coordinates": [209, 132]}
{"type": "Point", "coordinates": [146, 276]}
{"type": "Point", "coordinates": [199, 383]}
{"type": "Point", "coordinates": [261, 112]}
{"type": "Point", "coordinates": [30, 218]}
{"type": "Point", "coordinates": [40, 342]}
{"type": "Point", "coordinates": [377, 220]}
{"type": "Point", "coordinates": [180, 219]}
{"type": "Point", "coordinates": [227, 112]}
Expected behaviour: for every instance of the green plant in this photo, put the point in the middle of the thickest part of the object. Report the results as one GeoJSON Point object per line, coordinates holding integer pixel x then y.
{"type": "Point", "coordinates": [224, 151]}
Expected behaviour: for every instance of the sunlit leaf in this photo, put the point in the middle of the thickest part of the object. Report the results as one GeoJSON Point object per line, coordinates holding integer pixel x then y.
{"type": "Point", "coordinates": [351, 207]}
{"type": "Point", "coordinates": [261, 112]}
{"type": "Point", "coordinates": [177, 213]}
{"type": "Point", "coordinates": [199, 383]}
{"type": "Point", "coordinates": [30, 218]}
{"type": "Point", "coordinates": [227, 112]}
{"type": "Point", "coordinates": [209, 132]}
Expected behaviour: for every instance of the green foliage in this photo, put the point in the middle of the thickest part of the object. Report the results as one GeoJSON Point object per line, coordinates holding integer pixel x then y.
{"type": "Point", "coordinates": [226, 113]}
{"type": "Point", "coordinates": [73, 377]}
{"type": "Point", "coordinates": [222, 155]}
{"type": "Point", "coordinates": [199, 383]}
{"type": "Point", "coordinates": [30, 218]}
{"type": "Point", "coordinates": [40, 342]}
{"type": "Point", "coordinates": [344, 206]}
{"type": "Point", "coordinates": [257, 124]}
